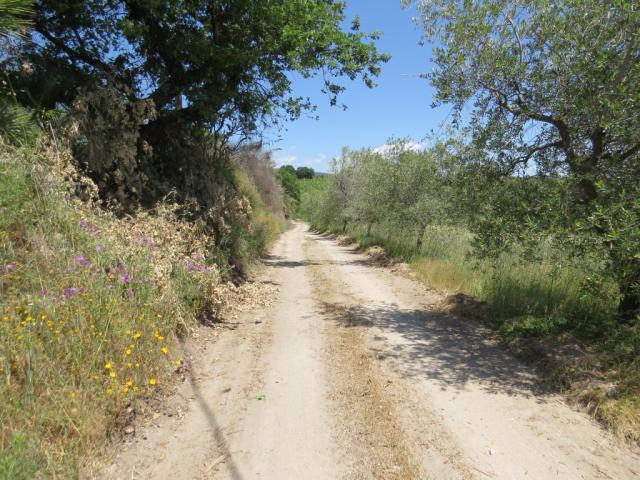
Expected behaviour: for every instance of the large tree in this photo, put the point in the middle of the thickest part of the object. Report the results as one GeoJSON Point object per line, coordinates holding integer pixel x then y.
{"type": "Point", "coordinates": [158, 88]}
{"type": "Point", "coordinates": [554, 89]}
{"type": "Point", "coordinates": [223, 64]}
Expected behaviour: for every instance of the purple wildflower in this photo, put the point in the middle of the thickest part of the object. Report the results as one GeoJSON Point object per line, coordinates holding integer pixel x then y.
{"type": "Point", "coordinates": [81, 260]}
{"type": "Point", "coordinates": [43, 291]}
{"type": "Point", "coordinates": [130, 293]}
{"type": "Point", "coordinates": [125, 278]}
{"type": "Point", "coordinates": [100, 249]}
{"type": "Point", "coordinates": [70, 292]}
{"type": "Point", "coordinates": [10, 266]}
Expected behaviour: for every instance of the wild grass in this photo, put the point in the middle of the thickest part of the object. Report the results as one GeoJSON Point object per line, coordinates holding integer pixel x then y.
{"type": "Point", "coordinates": [92, 310]}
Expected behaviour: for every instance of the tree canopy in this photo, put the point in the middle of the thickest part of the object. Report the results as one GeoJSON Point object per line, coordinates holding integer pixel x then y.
{"type": "Point", "coordinates": [554, 85]}
{"type": "Point", "coordinates": [553, 89]}
{"type": "Point", "coordinates": [218, 64]}
{"type": "Point", "coordinates": [305, 172]}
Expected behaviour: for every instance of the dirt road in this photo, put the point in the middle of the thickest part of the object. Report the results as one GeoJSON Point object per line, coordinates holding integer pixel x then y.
{"type": "Point", "coordinates": [350, 374]}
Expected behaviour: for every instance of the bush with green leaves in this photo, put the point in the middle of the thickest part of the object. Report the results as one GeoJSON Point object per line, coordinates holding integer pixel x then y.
{"type": "Point", "coordinates": [555, 92]}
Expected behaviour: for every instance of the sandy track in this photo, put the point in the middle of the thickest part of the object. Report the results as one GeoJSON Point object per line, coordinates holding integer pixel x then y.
{"type": "Point", "coordinates": [350, 374]}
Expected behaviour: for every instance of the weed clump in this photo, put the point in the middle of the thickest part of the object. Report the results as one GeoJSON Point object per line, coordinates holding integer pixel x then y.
{"type": "Point", "coordinates": [93, 307]}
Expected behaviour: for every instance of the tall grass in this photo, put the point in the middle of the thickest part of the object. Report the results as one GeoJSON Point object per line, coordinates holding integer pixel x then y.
{"type": "Point", "coordinates": [92, 310]}
{"type": "Point", "coordinates": [556, 293]}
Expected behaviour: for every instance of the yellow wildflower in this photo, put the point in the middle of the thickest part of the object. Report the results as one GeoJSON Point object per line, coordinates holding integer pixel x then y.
{"type": "Point", "coordinates": [138, 334]}
{"type": "Point", "coordinates": [108, 365]}
{"type": "Point", "coordinates": [152, 381]}
{"type": "Point", "coordinates": [164, 350]}
{"type": "Point", "coordinates": [112, 374]}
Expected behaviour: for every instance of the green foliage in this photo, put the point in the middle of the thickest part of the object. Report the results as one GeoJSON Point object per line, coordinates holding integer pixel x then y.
{"type": "Point", "coordinates": [400, 186]}
{"type": "Point", "coordinates": [305, 172]}
{"type": "Point", "coordinates": [14, 16]}
{"type": "Point", "coordinates": [289, 168]}
{"type": "Point", "coordinates": [16, 124]}
{"type": "Point", "coordinates": [310, 193]}
{"type": "Point", "coordinates": [289, 182]}
{"type": "Point", "coordinates": [266, 222]}
{"type": "Point", "coordinates": [16, 460]}
{"type": "Point", "coordinates": [555, 88]}
{"type": "Point", "coordinates": [219, 65]}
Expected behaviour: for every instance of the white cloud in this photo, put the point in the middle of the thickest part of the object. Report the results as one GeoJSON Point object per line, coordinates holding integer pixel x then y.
{"type": "Point", "coordinates": [319, 159]}
{"type": "Point", "coordinates": [408, 145]}
{"type": "Point", "coordinates": [285, 160]}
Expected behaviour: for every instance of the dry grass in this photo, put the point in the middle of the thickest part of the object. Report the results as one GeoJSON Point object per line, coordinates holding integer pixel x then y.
{"type": "Point", "coordinates": [93, 307]}
{"type": "Point", "coordinates": [366, 417]}
{"type": "Point", "coordinates": [444, 275]}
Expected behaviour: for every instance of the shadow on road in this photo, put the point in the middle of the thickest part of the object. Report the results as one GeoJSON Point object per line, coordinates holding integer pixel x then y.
{"type": "Point", "coordinates": [218, 435]}
{"type": "Point", "coordinates": [280, 262]}
{"type": "Point", "coordinates": [446, 350]}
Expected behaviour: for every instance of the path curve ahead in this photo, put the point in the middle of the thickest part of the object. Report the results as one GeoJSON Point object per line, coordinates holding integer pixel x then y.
{"type": "Point", "coordinates": [350, 374]}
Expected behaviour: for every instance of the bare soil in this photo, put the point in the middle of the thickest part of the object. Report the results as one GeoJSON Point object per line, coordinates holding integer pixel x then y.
{"type": "Point", "coordinates": [351, 373]}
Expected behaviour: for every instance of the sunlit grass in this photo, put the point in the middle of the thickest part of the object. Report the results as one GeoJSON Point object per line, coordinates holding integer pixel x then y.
{"type": "Point", "coordinates": [92, 310]}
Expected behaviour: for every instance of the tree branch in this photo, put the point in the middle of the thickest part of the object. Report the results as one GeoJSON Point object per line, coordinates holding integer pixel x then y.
{"type": "Point", "coordinates": [77, 54]}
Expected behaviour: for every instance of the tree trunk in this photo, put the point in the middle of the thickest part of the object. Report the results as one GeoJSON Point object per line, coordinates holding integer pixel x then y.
{"type": "Point", "coordinates": [421, 229]}
{"type": "Point", "coordinates": [344, 225]}
{"type": "Point", "coordinates": [369, 225]}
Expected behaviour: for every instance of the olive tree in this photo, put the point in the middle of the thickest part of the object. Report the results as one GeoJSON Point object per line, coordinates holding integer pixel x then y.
{"type": "Point", "coordinates": [554, 89]}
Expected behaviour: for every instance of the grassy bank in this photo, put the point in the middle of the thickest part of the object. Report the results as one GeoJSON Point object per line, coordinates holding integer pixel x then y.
{"type": "Point", "coordinates": [93, 307]}
{"type": "Point", "coordinates": [547, 311]}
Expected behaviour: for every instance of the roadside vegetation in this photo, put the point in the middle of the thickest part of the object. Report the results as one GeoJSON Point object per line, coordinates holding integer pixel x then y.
{"type": "Point", "coordinates": [93, 307]}
{"type": "Point", "coordinates": [135, 195]}
{"type": "Point", "coordinates": [532, 204]}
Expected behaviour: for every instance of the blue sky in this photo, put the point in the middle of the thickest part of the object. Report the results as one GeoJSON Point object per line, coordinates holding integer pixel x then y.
{"type": "Point", "coordinates": [400, 106]}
